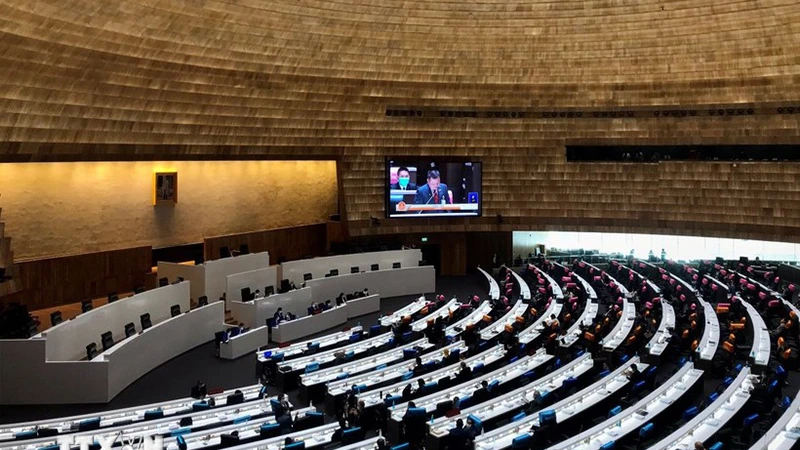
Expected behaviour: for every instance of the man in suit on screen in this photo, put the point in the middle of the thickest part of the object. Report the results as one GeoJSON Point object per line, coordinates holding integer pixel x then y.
{"type": "Point", "coordinates": [404, 182]}
{"type": "Point", "coordinates": [434, 192]}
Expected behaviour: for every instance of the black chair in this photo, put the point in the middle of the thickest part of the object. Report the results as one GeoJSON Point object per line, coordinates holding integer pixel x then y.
{"type": "Point", "coordinates": [164, 281]}
{"type": "Point", "coordinates": [224, 252]}
{"type": "Point", "coordinates": [285, 286]}
{"type": "Point", "coordinates": [130, 329]}
{"type": "Point", "coordinates": [112, 297]}
{"type": "Point", "coordinates": [144, 319]}
{"type": "Point", "coordinates": [107, 339]}
{"type": "Point", "coordinates": [138, 290]}
{"type": "Point", "coordinates": [374, 267]}
{"type": "Point", "coordinates": [244, 249]}
{"type": "Point", "coordinates": [235, 398]}
{"type": "Point", "coordinates": [354, 269]}
{"type": "Point", "coordinates": [334, 272]}
{"type": "Point", "coordinates": [307, 276]}
{"type": "Point", "coordinates": [269, 290]}
{"type": "Point", "coordinates": [186, 421]}
{"type": "Point", "coordinates": [202, 301]}
{"type": "Point", "coordinates": [175, 310]}
{"type": "Point", "coordinates": [396, 265]}
{"type": "Point", "coordinates": [86, 306]}
{"type": "Point", "coordinates": [91, 351]}
{"type": "Point", "coordinates": [55, 318]}
{"type": "Point", "coordinates": [246, 294]}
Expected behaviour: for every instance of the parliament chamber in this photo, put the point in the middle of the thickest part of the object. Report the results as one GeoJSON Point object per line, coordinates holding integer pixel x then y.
{"type": "Point", "coordinates": [374, 224]}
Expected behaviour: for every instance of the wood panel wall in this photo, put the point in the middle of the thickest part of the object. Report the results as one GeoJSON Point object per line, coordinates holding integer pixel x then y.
{"type": "Point", "coordinates": [70, 279]}
{"type": "Point", "coordinates": [283, 244]}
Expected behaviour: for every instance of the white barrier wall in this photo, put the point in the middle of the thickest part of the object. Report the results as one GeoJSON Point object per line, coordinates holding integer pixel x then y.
{"type": "Point", "coordinates": [28, 379]}
{"type": "Point", "coordinates": [387, 283]}
{"type": "Point", "coordinates": [218, 270]}
{"type": "Point", "coordinates": [244, 344]}
{"type": "Point", "coordinates": [308, 325]}
{"type": "Point", "coordinates": [194, 274]}
{"type": "Point", "coordinates": [67, 341]}
{"type": "Point", "coordinates": [365, 305]}
{"type": "Point", "coordinates": [318, 267]}
{"type": "Point", "coordinates": [254, 279]}
{"type": "Point", "coordinates": [131, 359]}
{"type": "Point", "coordinates": [256, 312]}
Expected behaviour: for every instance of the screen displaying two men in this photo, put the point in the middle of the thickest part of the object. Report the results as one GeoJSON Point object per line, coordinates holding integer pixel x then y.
{"type": "Point", "coordinates": [433, 188]}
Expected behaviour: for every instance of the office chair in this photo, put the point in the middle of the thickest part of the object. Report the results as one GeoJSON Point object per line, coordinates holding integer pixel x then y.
{"type": "Point", "coordinates": [246, 294]}
{"type": "Point", "coordinates": [269, 290]}
{"type": "Point", "coordinates": [244, 249]}
{"type": "Point", "coordinates": [107, 339]}
{"type": "Point", "coordinates": [285, 285]}
{"type": "Point", "coordinates": [202, 301]}
{"type": "Point", "coordinates": [334, 272]}
{"type": "Point", "coordinates": [145, 321]}
{"type": "Point", "coordinates": [91, 351]}
{"type": "Point", "coordinates": [55, 318]}
{"type": "Point", "coordinates": [354, 269]}
{"type": "Point", "coordinates": [374, 267]}
{"type": "Point", "coordinates": [112, 297]}
{"type": "Point", "coordinates": [224, 252]}
{"type": "Point", "coordinates": [175, 310]}
{"type": "Point", "coordinates": [86, 306]}
{"type": "Point", "coordinates": [307, 276]}
{"type": "Point", "coordinates": [163, 281]}
{"type": "Point", "coordinates": [130, 329]}
{"type": "Point", "coordinates": [396, 265]}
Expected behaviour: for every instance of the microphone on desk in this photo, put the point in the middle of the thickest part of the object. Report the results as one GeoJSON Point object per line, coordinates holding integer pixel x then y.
{"type": "Point", "coordinates": [429, 200]}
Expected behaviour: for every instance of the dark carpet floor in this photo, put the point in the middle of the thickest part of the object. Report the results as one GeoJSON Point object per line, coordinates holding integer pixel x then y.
{"type": "Point", "coordinates": [175, 378]}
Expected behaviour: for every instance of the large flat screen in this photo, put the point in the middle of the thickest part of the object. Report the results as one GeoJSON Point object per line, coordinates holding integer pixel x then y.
{"type": "Point", "coordinates": [432, 188]}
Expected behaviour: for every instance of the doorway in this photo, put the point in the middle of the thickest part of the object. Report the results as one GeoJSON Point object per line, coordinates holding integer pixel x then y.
{"type": "Point", "coordinates": [432, 255]}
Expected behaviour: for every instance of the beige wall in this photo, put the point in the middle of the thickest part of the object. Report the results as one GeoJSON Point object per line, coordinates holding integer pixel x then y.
{"type": "Point", "coordinates": [67, 208]}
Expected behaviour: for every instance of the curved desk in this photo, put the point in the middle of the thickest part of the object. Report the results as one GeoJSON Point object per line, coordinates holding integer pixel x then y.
{"type": "Point", "coordinates": [473, 318]}
{"type": "Point", "coordinates": [761, 346]}
{"type": "Point", "coordinates": [711, 332]}
{"type": "Point", "coordinates": [784, 434]}
{"type": "Point", "coordinates": [494, 330]}
{"type": "Point", "coordinates": [660, 339]}
{"type": "Point", "coordinates": [524, 289]}
{"type": "Point", "coordinates": [494, 289]}
{"type": "Point", "coordinates": [622, 328]}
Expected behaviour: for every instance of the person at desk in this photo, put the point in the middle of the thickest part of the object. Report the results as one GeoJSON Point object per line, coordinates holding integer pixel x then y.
{"type": "Point", "coordinates": [482, 393]}
{"type": "Point", "coordinates": [278, 317]}
{"type": "Point", "coordinates": [406, 394]}
{"type": "Point", "coordinates": [459, 437]}
{"type": "Point", "coordinates": [464, 374]}
{"type": "Point", "coordinates": [634, 375]}
{"type": "Point", "coordinates": [340, 300]}
{"type": "Point", "coordinates": [403, 180]}
{"type": "Point", "coordinates": [199, 390]}
{"type": "Point", "coordinates": [434, 192]}
{"type": "Point", "coordinates": [381, 444]}
{"type": "Point", "coordinates": [472, 429]}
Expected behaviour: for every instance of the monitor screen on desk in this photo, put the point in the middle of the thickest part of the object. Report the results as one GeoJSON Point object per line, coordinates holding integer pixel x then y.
{"type": "Point", "coordinates": [432, 188]}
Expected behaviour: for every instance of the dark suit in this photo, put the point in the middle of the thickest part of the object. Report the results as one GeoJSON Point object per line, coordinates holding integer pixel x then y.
{"type": "Point", "coordinates": [424, 195]}
{"type": "Point", "coordinates": [410, 187]}
{"type": "Point", "coordinates": [459, 439]}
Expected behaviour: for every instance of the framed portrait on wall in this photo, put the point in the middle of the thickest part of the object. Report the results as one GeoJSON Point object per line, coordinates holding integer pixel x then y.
{"type": "Point", "coordinates": [165, 188]}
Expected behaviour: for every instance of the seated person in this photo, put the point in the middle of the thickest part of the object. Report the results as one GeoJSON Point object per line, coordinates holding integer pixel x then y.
{"type": "Point", "coordinates": [434, 192]}
{"type": "Point", "coordinates": [459, 437]}
{"type": "Point", "coordinates": [327, 305]}
{"type": "Point", "coordinates": [278, 317]}
{"type": "Point", "coordinates": [199, 390]}
{"type": "Point", "coordinates": [404, 182]}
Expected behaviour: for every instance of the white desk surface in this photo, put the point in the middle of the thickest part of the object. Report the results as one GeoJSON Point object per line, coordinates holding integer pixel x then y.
{"type": "Point", "coordinates": [569, 407]}
{"type": "Point", "coordinates": [622, 328]}
{"type": "Point", "coordinates": [586, 318]}
{"type": "Point", "coordinates": [688, 287]}
{"type": "Point", "coordinates": [719, 283]}
{"type": "Point", "coordinates": [532, 332]}
{"type": "Point", "coordinates": [761, 345]}
{"type": "Point", "coordinates": [487, 357]}
{"type": "Point", "coordinates": [388, 357]}
{"type": "Point", "coordinates": [710, 339]}
{"type": "Point", "coordinates": [504, 374]}
{"type": "Point", "coordinates": [390, 372]}
{"type": "Point", "coordinates": [443, 311]}
{"type": "Point", "coordinates": [517, 398]}
{"type": "Point", "coordinates": [622, 289]}
{"type": "Point", "coordinates": [368, 444]}
{"type": "Point", "coordinates": [408, 310]}
{"type": "Point", "coordinates": [660, 341]}
{"type": "Point", "coordinates": [524, 289]}
{"type": "Point", "coordinates": [494, 289]}
{"type": "Point", "coordinates": [326, 356]}
{"type": "Point", "coordinates": [244, 343]}
{"type": "Point", "coordinates": [784, 433]}
{"type": "Point", "coordinates": [300, 347]}
{"type": "Point", "coordinates": [630, 419]}
{"type": "Point", "coordinates": [314, 437]}
{"type": "Point", "coordinates": [307, 325]}
{"type": "Point", "coordinates": [711, 419]}
{"type": "Point", "coordinates": [558, 294]}
{"type": "Point", "coordinates": [136, 413]}
{"type": "Point", "coordinates": [473, 318]}
{"type": "Point", "coordinates": [587, 287]}
{"type": "Point", "coordinates": [499, 325]}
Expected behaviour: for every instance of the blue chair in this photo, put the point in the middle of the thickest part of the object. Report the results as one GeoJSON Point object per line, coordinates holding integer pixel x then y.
{"type": "Point", "coordinates": [569, 382]}
{"type": "Point", "coordinates": [417, 412]}
{"type": "Point", "coordinates": [478, 422]}
{"type": "Point", "coordinates": [614, 411]}
{"type": "Point", "coordinates": [773, 385]}
{"type": "Point", "coordinates": [464, 402]}
{"type": "Point", "coordinates": [407, 376]}
{"type": "Point", "coordinates": [312, 367]}
{"type": "Point", "coordinates": [682, 361]}
{"type": "Point", "coordinates": [646, 430]}
{"type": "Point", "coordinates": [409, 353]}
{"type": "Point", "coordinates": [637, 387]}
{"type": "Point", "coordinates": [454, 354]}
{"type": "Point", "coordinates": [277, 356]}
{"type": "Point", "coordinates": [716, 446]}
{"type": "Point", "coordinates": [360, 388]}
{"type": "Point", "coordinates": [241, 419]}
{"type": "Point", "coordinates": [274, 404]}
{"type": "Point", "coordinates": [354, 338]}
{"type": "Point", "coordinates": [547, 417]}
{"type": "Point", "coordinates": [478, 367]}
{"type": "Point", "coordinates": [351, 435]}
{"type": "Point", "coordinates": [780, 373]}
{"type": "Point", "coordinates": [513, 360]}
{"type": "Point", "coordinates": [624, 358]}
{"type": "Point", "coordinates": [393, 400]}
{"type": "Point", "coordinates": [400, 447]}
{"type": "Point", "coordinates": [313, 347]}
{"type": "Point", "coordinates": [267, 354]}
{"type": "Point", "coordinates": [786, 402]}
{"type": "Point", "coordinates": [603, 374]}
{"type": "Point", "coordinates": [522, 441]}
{"type": "Point", "coordinates": [181, 441]}
{"type": "Point", "coordinates": [557, 364]}
{"type": "Point", "coordinates": [90, 424]}
{"type": "Point", "coordinates": [607, 446]}
{"type": "Point", "coordinates": [342, 375]}
{"type": "Point", "coordinates": [482, 346]}
{"type": "Point", "coordinates": [650, 373]}
{"type": "Point", "coordinates": [690, 412]}
{"type": "Point", "coordinates": [580, 353]}
{"type": "Point", "coordinates": [529, 374]}
{"type": "Point", "coordinates": [381, 367]}
{"type": "Point", "coordinates": [407, 336]}
{"type": "Point", "coordinates": [50, 447]}
{"type": "Point", "coordinates": [296, 446]}
{"type": "Point", "coordinates": [713, 397]}
{"type": "Point", "coordinates": [269, 430]}
{"type": "Point", "coordinates": [314, 414]}
{"type": "Point", "coordinates": [493, 385]}
{"type": "Point", "coordinates": [738, 368]}
{"type": "Point", "coordinates": [517, 417]}
{"type": "Point", "coordinates": [350, 354]}
{"type": "Point", "coordinates": [28, 434]}
{"type": "Point", "coordinates": [180, 431]}
{"type": "Point", "coordinates": [153, 414]}
{"type": "Point", "coordinates": [374, 330]}
{"type": "Point", "coordinates": [727, 381]}
{"type": "Point", "coordinates": [200, 406]}
{"type": "Point", "coordinates": [750, 420]}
